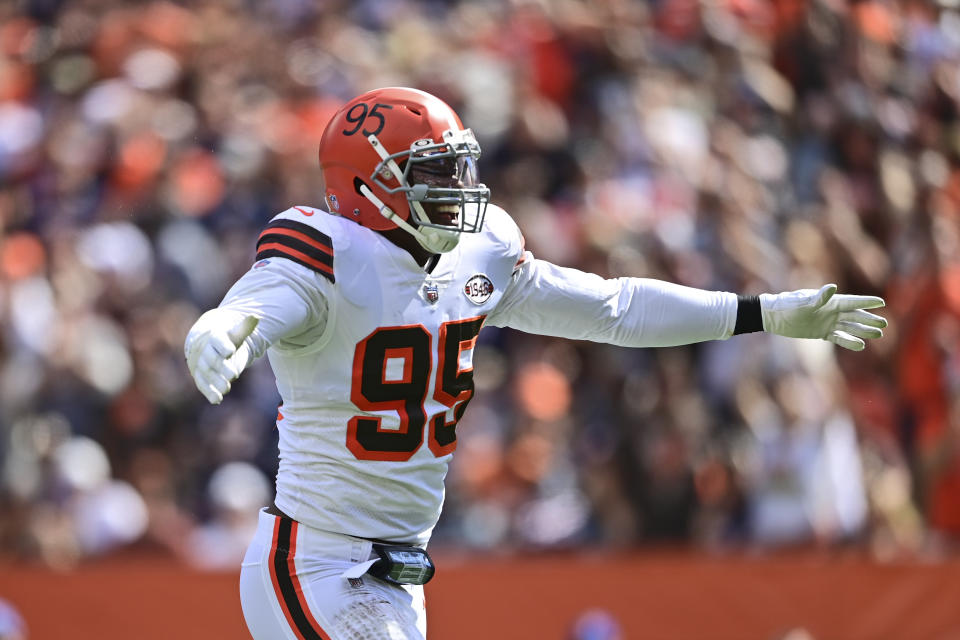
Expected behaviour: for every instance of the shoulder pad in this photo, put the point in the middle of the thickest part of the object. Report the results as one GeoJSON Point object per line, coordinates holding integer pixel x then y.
{"type": "Point", "coordinates": [503, 231]}
{"type": "Point", "coordinates": [305, 235]}
{"type": "Point", "coordinates": [323, 221]}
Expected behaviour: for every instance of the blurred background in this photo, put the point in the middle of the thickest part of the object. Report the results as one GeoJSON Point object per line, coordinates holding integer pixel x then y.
{"type": "Point", "coordinates": [740, 145]}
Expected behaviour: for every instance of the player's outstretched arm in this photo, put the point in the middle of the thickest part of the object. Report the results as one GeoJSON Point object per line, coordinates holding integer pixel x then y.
{"type": "Point", "coordinates": [639, 312]}
{"type": "Point", "coordinates": [217, 352]}
{"type": "Point", "coordinates": [822, 313]}
{"type": "Point", "coordinates": [277, 301]}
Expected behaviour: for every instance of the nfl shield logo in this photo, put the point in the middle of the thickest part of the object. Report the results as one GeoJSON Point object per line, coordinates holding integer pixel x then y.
{"type": "Point", "coordinates": [431, 293]}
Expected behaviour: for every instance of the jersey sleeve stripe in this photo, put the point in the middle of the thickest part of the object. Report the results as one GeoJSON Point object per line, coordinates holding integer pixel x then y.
{"type": "Point", "coordinates": [297, 245]}
{"type": "Point", "coordinates": [276, 234]}
{"type": "Point", "coordinates": [276, 250]}
{"type": "Point", "coordinates": [318, 237]}
{"type": "Point", "coordinates": [523, 253]}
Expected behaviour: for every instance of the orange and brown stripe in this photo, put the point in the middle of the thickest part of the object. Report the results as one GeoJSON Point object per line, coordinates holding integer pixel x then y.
{"type": "Point", "coordinates": [286, 583]}
{"type": "Point", "coordinates": [523, 253]}
{"type": "Point", "coordinates": [298, 242]}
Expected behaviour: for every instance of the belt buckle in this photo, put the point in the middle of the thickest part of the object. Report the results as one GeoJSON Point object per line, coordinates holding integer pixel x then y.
{"type": "Point", "coordinates": [402, 564]}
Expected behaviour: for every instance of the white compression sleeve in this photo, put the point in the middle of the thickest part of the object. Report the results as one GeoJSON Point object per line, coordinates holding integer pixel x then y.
{"type": "Point", "coordinates": [634, 312]}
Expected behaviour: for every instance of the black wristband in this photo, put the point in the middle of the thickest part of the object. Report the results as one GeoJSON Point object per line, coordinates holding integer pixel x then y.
{"type": "Point", "coordinates": [749, 318]}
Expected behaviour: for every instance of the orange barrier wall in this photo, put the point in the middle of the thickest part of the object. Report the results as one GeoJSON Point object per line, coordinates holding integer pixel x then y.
{"type": "Point", "coordinates": [654, 596]}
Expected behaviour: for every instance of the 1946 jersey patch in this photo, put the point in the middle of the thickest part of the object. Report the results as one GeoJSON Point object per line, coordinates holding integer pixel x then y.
{"type": "Point", "coordinates": [478, 289]}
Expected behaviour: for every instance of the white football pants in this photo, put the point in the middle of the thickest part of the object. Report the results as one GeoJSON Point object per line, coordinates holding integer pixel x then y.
{"type": "Point", "coordinates": [292, 588]}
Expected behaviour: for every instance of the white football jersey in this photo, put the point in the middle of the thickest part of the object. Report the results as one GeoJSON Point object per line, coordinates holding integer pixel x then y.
{"type": "Point", "coordinates": [373, 355]}
{"type": "Point", "coordinates": [371, 402]}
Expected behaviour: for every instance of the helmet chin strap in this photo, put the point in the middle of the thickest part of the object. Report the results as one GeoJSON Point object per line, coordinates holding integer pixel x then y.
{"type": "Point", "coordinates": [431, 239]}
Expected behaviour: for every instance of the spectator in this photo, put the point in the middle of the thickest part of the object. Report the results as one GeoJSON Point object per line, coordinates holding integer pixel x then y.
{"type": "Point", "coordinates": [12, 626]}
{"type": "Point", "coordinates": [741, 146]}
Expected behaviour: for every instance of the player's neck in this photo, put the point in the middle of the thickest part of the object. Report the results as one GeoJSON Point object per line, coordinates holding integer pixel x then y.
{"type": "Point", "coordinates": [409, 244]}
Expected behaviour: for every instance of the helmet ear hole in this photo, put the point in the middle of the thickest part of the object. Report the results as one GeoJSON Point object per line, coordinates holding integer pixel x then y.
{"type": "Point", "coordinates": [357, 183]}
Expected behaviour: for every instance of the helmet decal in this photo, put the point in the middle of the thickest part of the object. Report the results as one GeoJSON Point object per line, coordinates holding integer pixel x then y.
{"type": "Point", "coordinates": [358, 114]}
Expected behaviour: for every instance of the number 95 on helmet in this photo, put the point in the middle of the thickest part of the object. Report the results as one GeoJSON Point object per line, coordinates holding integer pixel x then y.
{"type": "Point", "coordinates": [400, 157]}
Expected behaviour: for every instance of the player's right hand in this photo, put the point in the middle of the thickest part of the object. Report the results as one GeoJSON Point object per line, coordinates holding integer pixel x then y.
{"type": "Point", "coordinates": [216, 351]}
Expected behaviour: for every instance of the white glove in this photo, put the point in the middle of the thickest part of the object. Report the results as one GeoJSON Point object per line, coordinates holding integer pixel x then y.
{"type": "Point", "coordinates": [216, 351]}
{"type": "Point", "coordinates": [812, 313]}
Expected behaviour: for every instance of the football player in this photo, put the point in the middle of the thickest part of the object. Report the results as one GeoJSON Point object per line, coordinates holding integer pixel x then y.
{"type": "Point", "coordinates": [368, 310]}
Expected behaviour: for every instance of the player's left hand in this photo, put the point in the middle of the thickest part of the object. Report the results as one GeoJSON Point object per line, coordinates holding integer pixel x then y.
{"type": "Point", "coordinates": [822, 313]}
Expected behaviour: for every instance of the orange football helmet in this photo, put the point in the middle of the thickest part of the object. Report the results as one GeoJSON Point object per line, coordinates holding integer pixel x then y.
{"type": "Point", "coordinates": [373, 145]}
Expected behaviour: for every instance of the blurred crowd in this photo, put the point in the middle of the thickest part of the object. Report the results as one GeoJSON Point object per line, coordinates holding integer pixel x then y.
{"type": "Point", "coordinates": [739, 145]}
